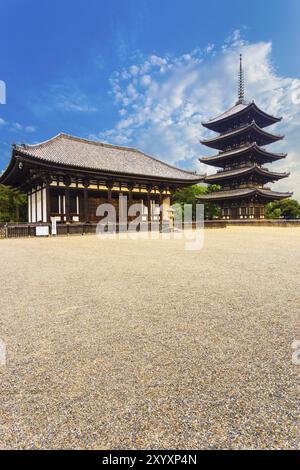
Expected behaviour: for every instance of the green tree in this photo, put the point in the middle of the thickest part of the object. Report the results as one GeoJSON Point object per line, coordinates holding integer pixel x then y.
{"type": "Point", "coordinates": [188, 196]}
{"type": "Point", "coordinates": [272, 211]}
{"type": "Point", "coordinates": [19, 200]}
{"type": "Point", "coordinates": [12, 204]}
{"type": "Point", "coordinates": [286, 208]}
{"type": "Point", "coordinates": [5, 203]}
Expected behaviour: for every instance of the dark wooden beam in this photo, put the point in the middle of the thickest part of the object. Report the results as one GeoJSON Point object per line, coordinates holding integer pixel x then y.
{"type": "Point", "coordinates": [130, 195]}
{"type": "Point", "coordinates": [149, 188]}
{"type": "Point", "coordinates": [31, 213]}
{"type": "Point", "coordinates": [42, 202]}
{"type": "Point", "coordinates": [67, 203]}
{"type": "Point", "coordinates": [109, 185]}
{"type": "Point", "coordinates": [48, 202]}
{"type": "Point", "coordinates": [86, 204]}
{"type": "Point", "coordinates": [35, 197]}
{"type": "Point", "coordinates": [160, 209]}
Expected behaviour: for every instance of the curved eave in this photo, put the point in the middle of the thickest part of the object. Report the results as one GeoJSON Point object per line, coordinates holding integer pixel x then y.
{"type": "Point", "coordinates": [227, 156]}
{"type": "Point", "coordinates": [268, 194]}
{"type": "Point", "coordinates": [227, 175]}
{"type": "Point", "coordinates": [10, 171]}
{"type": "Point", "coordinates": [216, 123]}
{"type": "Point", "coordinates": [20, 154]}
{"type": "Point", "coordinates": [222, 138]}
{"type": "Point", "coordinates": [243, 193]}
{"type": "Point", "coordinates": [223, 195]}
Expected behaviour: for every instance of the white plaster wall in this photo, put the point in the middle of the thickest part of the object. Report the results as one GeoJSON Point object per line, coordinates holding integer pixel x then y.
{"type": "Point", "coordinates": [44, 205]}
{"type": "Point", "coordinates": [39, 205]}
{"type": "Point", "coordinates": [33, 208]}
{"type": "Point", "coordinates": [144, 208]}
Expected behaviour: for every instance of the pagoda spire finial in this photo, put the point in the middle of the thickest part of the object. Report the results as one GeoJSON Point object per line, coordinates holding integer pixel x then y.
{"type": "Point", "coordinates": [241, 85]}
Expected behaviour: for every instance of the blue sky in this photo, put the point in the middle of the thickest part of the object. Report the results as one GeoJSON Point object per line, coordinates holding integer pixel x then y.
{"type": "Point", "coordinates": [145, 73]}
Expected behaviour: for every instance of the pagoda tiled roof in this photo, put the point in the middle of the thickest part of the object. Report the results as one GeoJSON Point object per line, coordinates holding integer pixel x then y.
{"type": "Point", "coordinates": [241, 150]}
{"type": "Point", "coordinates": [243, 192]}
{"type": "Point", "coordinates": [239, 131]}
{"type": "Point", "coordinates": [238, 110]}
{"type": "Point", "coordinates": [245, 170]}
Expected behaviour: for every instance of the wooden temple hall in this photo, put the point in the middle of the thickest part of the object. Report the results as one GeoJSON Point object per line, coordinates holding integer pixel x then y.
{"type": "Point", "coordinates": [68, 177]}
{"type": "Point", "coordinates": [241, 142]}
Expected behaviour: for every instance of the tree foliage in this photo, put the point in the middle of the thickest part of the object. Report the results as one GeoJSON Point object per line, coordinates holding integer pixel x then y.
{"type": "Point", "coordinates": [12, 204]}
{"type": "Point", "coordinates": [188, 196]}
{"type": "Point", "coordinates": [286, 209]}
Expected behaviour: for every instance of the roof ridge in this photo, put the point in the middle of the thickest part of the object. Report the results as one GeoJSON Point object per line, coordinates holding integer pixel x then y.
{"type": "Point", "coordinates": [97, 142]}
{"type": "Point", "coordinates": [39, 144]}
{"type": "Point", "coordinates": [79, 139]}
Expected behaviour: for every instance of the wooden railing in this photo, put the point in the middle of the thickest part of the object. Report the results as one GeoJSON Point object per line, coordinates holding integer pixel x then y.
{"type": "Point", "coordinates": [17, 230]}
{"type": "Point", "coordinates": [29, 230]}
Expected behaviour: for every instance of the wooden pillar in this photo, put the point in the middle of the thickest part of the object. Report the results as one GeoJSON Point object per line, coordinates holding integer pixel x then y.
{"type": "Point", "coordinates": [86, 184]}
{"type": "Point", "coordinates": [109, 195]}
{"type": "Point", "coordinates": [109, 186]}
{"type": "Point", "coordinates": [130, 200]}
{"type": "Point", "coordinates": [35, 198]}
{"type": "Point", "coordinates": [160, 209]}
{"type": "Point", "coordinates": [130, 195]}
{"type": "Point", "coordinates": [67, 203]}
{"type": "Point", "coordinates": [149, 216]}
{"type": "Point", "coordinates": [42, 202]}
{"type": "Point", "coordinates": [31, 213]}
{"type": "Point", "coordinates": [86, 204]}
{"type": "Point", "coordinates": [172, 190]}
{"type": "Point", "coordinates": [48, 202]}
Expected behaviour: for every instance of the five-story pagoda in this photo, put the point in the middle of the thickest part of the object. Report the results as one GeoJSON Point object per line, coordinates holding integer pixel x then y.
{"type": "Point", "coordinates": [241, 156]}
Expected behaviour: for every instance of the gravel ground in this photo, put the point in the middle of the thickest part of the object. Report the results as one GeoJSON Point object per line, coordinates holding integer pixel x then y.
{"type": "Point", "coordinates": [141, 344]}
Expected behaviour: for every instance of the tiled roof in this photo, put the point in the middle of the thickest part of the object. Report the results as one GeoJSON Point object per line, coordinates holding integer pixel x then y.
{"type": "Point", "coordinates": [242, 149]}
{"type": "Point", "coordinates": [76, 152]}
{"type": "Point", "coordinates": [274, 194]}
{"type": "Point", "coordinates": [230, 112]}
{"type": "Point", "coordinates": [242, 192]}
{"type": "Point", "coordinates": [226, 194]}
{"type": "Point", "coordinates": [246, 169]}
{"type": "Point", "coordinates": [241, 130]}
{"type": "Point", "coordinates": [238, 108]}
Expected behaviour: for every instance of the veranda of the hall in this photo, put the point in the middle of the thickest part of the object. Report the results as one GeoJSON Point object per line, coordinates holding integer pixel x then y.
{"type": "Point", "coordinates": [74, 204]}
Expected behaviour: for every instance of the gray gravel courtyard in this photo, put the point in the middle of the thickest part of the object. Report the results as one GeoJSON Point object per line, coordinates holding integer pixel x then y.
{"type": "Point", "coordinates": [140, 344]}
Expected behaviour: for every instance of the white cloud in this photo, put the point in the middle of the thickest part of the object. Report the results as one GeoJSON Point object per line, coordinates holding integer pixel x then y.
{"type": "Point", "coordinates": [73, 102]}
{"type": "Point", "coordinates": [30, 128]}
{"type": "Point", "coordinates": [162, 101]}
{"type": "Point", "coordinates": [64, 96]}
{"type": "Point", "coordinates": [17, 127]}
